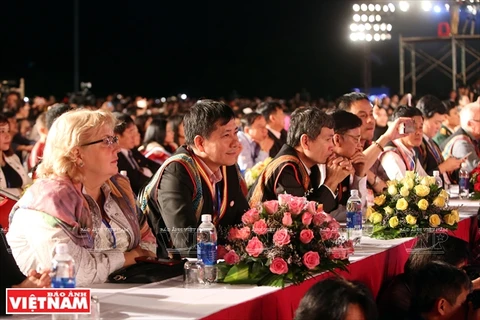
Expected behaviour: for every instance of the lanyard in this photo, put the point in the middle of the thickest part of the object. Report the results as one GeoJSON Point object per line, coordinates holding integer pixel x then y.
{"type": "Point", "coordinates": [111, 232]}
{"type": "Point", "coordinates": [217, 202]}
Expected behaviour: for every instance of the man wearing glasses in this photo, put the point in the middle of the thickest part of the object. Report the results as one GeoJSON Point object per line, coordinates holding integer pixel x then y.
{"type": "Point", "coordinates": [347, 143]}
{"type": "Point", "coordinates": [464, 143]}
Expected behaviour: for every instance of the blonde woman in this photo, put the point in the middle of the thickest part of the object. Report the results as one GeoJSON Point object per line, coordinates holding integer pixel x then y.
{"type": "Point", "coordinates": [79, 199]}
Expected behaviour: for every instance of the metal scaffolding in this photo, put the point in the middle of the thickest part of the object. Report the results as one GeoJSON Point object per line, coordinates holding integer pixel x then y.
{"type": "Point", "coordinates": [439, 61]}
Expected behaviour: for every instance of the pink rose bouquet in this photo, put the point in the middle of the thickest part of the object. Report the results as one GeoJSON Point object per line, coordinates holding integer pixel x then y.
{"type": "Point", "coordinates": [283, 241]}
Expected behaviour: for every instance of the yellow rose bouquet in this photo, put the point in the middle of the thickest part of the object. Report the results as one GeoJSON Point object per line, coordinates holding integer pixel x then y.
{"type": "Point", "coordinates": [409, 207]}
{"type": "Point", "coordinates": [252, 174]}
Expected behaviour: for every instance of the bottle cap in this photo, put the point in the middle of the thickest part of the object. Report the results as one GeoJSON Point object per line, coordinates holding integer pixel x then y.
{"type": "Point", "coordinates": [464, 165]}
{"type": "Point", "coordinates": [354, 192]}
{"type": "Point", "coordinates": [436, 173]}
{"type": "Point", "coordinates": [61, 248]}
{"type": "Point", "coordinates": [206, 218]}
{"type": "Point", "coordinates": [123, 173]}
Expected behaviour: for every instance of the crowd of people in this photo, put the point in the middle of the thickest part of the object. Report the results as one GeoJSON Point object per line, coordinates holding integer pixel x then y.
{"type": "Point", "coordinates": [127, 178]}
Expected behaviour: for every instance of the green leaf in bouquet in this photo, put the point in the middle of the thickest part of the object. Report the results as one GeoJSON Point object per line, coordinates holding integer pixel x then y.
{"type": "Point", "coordinates": [237, 274]}
{"type": "Point", "coordinates": [273, 280]}
{"type": "Point", "coordinates": [258, 269]}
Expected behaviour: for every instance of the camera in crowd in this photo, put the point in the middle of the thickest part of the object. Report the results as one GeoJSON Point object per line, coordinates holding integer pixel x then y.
{"type": "Point", "coordinates": [84, 98]}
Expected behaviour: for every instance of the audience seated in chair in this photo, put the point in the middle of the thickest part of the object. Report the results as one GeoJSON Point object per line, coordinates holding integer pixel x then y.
{"type": "Point", "coordinates": [200, 178]}
{"type": "Point", "coordinates": [80, 199]}
{"type": "Point", "coordinates": [295, 169]}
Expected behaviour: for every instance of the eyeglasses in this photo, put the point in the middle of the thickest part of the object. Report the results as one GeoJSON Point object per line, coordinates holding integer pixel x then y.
{"type": "Point", "coordinates": [109, 141]}
{"type": "Point", "coordinates": [356, 138]}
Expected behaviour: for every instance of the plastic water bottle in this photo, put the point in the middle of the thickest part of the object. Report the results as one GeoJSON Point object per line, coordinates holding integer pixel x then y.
{"type": "Point", "coordinates": [354, 217]}
{"type": "Point", "coordinates": [438, 179]}
{"type": "Point", "coordinates": [63, 268]}
{"type": "Point", "coordinates": [207, 247]}
{"type": "Point", "coordinates": [464, 181]}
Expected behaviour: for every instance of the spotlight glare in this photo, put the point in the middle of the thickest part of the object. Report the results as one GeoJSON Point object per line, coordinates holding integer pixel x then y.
{"type": "Point", "coordinates": [368, 37]}
{"type": "Point", "coordinates": [364, 7]}
{"type": "Point", "coordinates": [447, 7]}
{"type": "Point", "coordinates": [371, 7]}
{"type": "Point", "coordinates": [437, 9]}
{"type": "Point", "coordinates": [383, 37]}
{"type": "Point", "coordinates": [183, 96]}
{"type": "Point", "coordinates": [376, 27]}
{"type": "Point", "coordinates": [404, 6]}
{"type": "Point", "coordinates": [364, 17]}
{"type": "Point", "coordinates": [391, 6]}
{"type": "Point", "coordinates": [361, 27]}
{"type": "Point", "coordinates": [426, 5]}
{"type": "Point", "coordinates": [356, 18]}
{"type": "Point", "coordinates": [389, 36]}
{"type": "Point", "coordinates": [378, 7]}
{"type": "Point", "coordinates": [371, 18]}
{"type": "Point", "coordinates": [376, 37]}
{"type": "Point", "coordinates": [389, 27]}
{"type": "Point", "coordinates": [361, 36]}
{"type": "Point", "coordinates": [378, 18]}
{"type": "Point", "coordinates": [385, 8]}
{"type": "Point", "coordinates": [353, 27]}
{"type": "Point", "coordinates": [353, 37]}
{"type": "Point", "coordinates": [356, 7]}
{"type": "Point", "coordinates": [383, 27]}
{"type": "Point", "coordinates": [368, 26]}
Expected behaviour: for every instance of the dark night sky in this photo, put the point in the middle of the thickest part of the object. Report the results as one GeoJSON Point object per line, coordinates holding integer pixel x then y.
{"type": "Point", "coordinates": [160, 48]}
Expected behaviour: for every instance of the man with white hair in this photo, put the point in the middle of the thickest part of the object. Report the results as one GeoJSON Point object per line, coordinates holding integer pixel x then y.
{"type": "Point", "coordinates": [464, 143]}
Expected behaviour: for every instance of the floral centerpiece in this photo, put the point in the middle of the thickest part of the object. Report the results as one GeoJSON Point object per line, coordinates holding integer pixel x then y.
{"type": "Point", "coordinates": [475, 183]}
{"type": "Point", "coordinates": [409, 207]}
{"type": "Point", "coordinates": [283, 241]}
{"type": "Point", "coordinates": [253, 173]}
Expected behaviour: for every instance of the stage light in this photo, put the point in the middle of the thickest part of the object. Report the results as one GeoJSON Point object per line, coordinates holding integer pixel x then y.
{"type": "Point", "coordinates": [354, 27]}
{"type": "Point", "coordinates": [404, 6]}
{"type": "Point", "coordinates": [383, 37]}
{"type": "Point", "coordinates": [437, 9]}
{"type": "Point", "coordinates": [376, 37]}
{"type": "Point", "coordinates": [183, 96]}
{"type": "Point", "coordinates": [356, 17]}
{"type": "Point", "coordinates": [378, 7]}
{"type": "Point", "coordinates": [389, 36]}
{"type": "Point", "coordinates": [371, 18]}
{"type": "Point", "coordinates": [376, 27]}
{"type": "Point", "coordinates": [361, 36]}
{"type": "Point", "coordinates": [447, 7]}
{"type": "Point", "coordinates": [426, 5]}
{"type": "Point", "coordinates": [353, 37]}
{"type": "Point", "coordinates": [383, 27]}
{"type": "Point", "coordinates": [385, 8]}
{"type": "Point", "coordinates": [389, 27]}
{"type": "Point", "coordinates": [356, 7]}
{"type": "Point", "coordinates": [391, 6]}
{"type": "Point", "coordinates": [371, 7]}
{"type": "Point", "coordinates": [364, 18]}
{"type": "Point", "coordinates": [368, 26]}
{"type": "Point", "coordinates": [361, 27]}
{"type": "Point", "coordinates": [163, 99]}
{"type": "Point", "coordinates": [364, 7]}
{"type": "Point", "coordinates": [368, 37]}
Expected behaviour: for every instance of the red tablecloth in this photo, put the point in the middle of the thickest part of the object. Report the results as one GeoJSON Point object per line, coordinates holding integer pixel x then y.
{"type": "Point", "coordinates": [372, 271]}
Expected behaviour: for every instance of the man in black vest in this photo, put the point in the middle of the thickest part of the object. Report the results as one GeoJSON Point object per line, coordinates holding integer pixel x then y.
{"type": "Point", "coordinates": [200, 178]}
{"type": "Point", "coordinates": [295, 170]}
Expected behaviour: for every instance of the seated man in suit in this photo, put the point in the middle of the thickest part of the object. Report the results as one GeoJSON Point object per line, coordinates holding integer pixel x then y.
{"type": "Point", "coordinates": [295, 169]}
{"type": "Point", "coordinates": [273, 114]}
{"type": "Point", "coordinates": [450, 123]}
{"type": "Point", "coordinates": [139, 169]}
{"type": "Point", "coordinates": [255, 141]}
{"type": "Point", "coordinates": [200, 178]}
{"type": "Point", "coordinates": [464, 143]}
{"type": "Point", "coordinates": [430, 155]}
{"type": "Point", "coordinates": [400, 154]}
{"type": "Point", "coordinates": [347, 143]}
